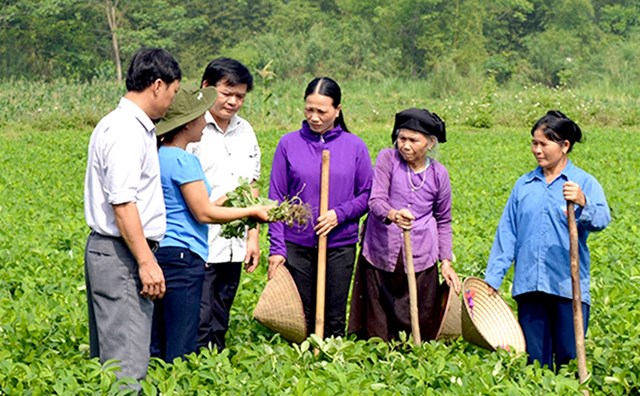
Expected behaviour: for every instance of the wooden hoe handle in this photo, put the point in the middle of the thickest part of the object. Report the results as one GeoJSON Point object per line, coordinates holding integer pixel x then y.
{"type": "Point", "coordinates": [413, 290]}
{"type": "Point", "coordinates": [578, 323]}
{"type": "Point", "coordinates": [322, 247]}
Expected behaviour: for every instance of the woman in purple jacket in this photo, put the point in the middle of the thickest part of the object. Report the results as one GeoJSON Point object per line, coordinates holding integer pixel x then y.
{"type": "Point", "coordinates": [411, 191]}
{"type": "Point", "coordinates": [296, 169]}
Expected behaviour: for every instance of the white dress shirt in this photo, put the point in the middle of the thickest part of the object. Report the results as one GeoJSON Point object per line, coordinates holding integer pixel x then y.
{"type": "Point", "coordinates": [225, 157]}
{"type": "Point", "coordinates": [122, 167]}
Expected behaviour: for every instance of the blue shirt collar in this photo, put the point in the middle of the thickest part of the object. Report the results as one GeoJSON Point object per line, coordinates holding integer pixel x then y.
{"type": "Point", "coordinates": [567, 173]}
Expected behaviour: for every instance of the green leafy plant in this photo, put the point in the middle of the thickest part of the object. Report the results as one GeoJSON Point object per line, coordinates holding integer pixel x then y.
{"type": "Point", "coordinates": [292, 211]}
{"type": "Point", "coordinates": [44, 333]}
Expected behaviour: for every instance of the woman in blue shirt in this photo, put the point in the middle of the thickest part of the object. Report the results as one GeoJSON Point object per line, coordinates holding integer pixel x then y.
{"type": "Point", "coordinates": [533, 234]}
{"type": "Point", "coordinates": [184, 249]}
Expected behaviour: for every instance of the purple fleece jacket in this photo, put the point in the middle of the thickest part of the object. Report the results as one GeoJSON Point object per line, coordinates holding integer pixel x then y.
{"type": "Point", "coordinates": [296, 169]}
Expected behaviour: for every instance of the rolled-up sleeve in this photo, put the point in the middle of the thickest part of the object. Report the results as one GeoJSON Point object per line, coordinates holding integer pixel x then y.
{"type": "Point", "coordinates": [595, 215]}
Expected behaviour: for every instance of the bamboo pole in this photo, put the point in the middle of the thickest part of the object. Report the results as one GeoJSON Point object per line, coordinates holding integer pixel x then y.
{"type": "Point", "coordinates": [322, 247]}
{"type": "Point", "coordinates": [578, 323]}
{"type": "Point", "coordinates": [413, 290]}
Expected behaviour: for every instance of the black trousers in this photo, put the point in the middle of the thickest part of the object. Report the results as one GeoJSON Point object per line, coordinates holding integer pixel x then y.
{"type": "Point", "coordinates": [302, 263]}
{"type": "Point", "coordinates": [218, 292]}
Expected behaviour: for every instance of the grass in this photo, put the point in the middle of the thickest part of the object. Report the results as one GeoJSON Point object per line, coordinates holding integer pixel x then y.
{"type": "Point", "coordinates": [277, 105]}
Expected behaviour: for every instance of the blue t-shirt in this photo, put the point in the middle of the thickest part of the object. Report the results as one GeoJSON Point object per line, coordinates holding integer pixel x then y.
{"type": "Point", "coordinates": [533, 234]}
{"type": "Point", "coordinates": [178, 167]}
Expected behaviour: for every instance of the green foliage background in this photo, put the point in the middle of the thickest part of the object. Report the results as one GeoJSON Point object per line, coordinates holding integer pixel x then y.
{"type": "Point", "coordinates": [452, 43]}
{"type": "Point", "coordinates": [489, 68]}
{"type": "Point", "coordinates": [44, 131]}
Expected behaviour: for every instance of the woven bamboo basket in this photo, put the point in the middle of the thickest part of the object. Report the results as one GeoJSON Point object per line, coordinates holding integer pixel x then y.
{"type": "Point", "coordinates": [450, 313]}
{"type": "Point", "coordinates": [280, 307]}
{"type": "Point", "coordinates": [489, 323]}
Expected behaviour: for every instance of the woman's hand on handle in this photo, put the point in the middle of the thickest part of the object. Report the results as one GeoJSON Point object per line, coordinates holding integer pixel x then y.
{"type": "Point", "coordinates": [274, 262]}
{"type": "Point", "coordinates": [450, 276]}
{"type": "Point", "coordinates": [326, 223]}
{"type": "Point", "coordinates": [403, 218]}
{"type": "Point", "coordinates": [572, 192]}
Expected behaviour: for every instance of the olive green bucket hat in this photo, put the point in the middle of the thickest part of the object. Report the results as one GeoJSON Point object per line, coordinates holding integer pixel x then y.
{"type": "Point", "coordinates": [186, 107]}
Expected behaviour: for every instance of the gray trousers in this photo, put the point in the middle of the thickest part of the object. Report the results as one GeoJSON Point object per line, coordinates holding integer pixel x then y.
{"type": "Point", "coordinates": [119, 318]}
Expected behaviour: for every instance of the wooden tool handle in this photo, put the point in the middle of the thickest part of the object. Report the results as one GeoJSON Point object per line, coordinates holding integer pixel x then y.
{"type": "Point", "coordinates": [413, 290]}
{"type": "Point", "coordinates": [578, 323]}
{"type": "Point", "coordinates": [322, 247]}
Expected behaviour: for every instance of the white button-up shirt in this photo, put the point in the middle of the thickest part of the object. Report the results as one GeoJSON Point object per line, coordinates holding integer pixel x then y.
{"type": "Point", "coordinates": [122, 167]}
{"type": "Point", "coordinates": [225, 157]}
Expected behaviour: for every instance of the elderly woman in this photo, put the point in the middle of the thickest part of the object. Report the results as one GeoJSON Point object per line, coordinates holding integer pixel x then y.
{"type": "Point", "coordinates": [533, 234]}
{"type": "Point", "coordinates": [411, 191]}
{"type": "Point", "coordinates": [184, 249]}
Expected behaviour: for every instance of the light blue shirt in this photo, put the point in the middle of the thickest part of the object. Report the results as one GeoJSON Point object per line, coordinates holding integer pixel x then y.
{"type": "Point", "coordinates": [177, 167]}
{"type": "Point", "coordinates": [533, 234]}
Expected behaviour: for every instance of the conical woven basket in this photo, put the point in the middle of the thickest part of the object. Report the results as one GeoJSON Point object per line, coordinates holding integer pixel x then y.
{"type": "Point", "coordinates": [450, 314]}
{"type": "Point", "coordinates": [280, 307]}
{"type": "Point", "coordinates": [490, 323]}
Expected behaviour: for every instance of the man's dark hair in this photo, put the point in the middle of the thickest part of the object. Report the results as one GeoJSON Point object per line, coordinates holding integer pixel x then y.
{"type": "Point", "coordinates": [229, 70]}
{"type": "Point", "coordinates": [149, 64]}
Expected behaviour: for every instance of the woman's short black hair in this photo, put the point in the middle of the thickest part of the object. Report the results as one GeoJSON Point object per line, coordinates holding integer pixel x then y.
{"type": "Point", "coordinates": [558, 127]}
{"type": "Point", "coordinates": [326, 86]}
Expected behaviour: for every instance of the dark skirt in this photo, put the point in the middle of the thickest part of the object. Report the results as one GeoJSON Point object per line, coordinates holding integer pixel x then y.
{"type": "Point", "coordinates": [380, 302]}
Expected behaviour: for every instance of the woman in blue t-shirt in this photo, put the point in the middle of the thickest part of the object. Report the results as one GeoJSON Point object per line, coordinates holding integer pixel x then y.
{"type": "Point", "coordinates": [184, 249]}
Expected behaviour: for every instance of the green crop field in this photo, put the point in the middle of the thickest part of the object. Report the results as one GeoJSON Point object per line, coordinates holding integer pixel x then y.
{"type": "Point", "coordinates": [44, 131]}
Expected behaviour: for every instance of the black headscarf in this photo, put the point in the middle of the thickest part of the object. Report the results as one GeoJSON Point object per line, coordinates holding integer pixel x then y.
{"type": "Point", "coordinates": [419, 120]}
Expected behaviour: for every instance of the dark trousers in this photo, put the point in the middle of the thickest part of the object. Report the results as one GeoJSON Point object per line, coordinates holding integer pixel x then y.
{"type": "Point", "coordinates": [176, 315]}
{"type": "Point", "coordinates": [302, 263]}
{"type": "Point", "coordinates": [218, 292]}
{"type": "Point", "coordinates": [547, 324]}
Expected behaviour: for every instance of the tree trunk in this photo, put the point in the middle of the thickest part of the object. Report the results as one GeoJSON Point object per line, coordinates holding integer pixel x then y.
{"type": "Point", "coordinates": [110, 9]}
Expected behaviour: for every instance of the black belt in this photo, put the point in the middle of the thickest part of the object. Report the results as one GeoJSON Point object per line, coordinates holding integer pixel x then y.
{"type": "Point", "coordinates": [153, 245]}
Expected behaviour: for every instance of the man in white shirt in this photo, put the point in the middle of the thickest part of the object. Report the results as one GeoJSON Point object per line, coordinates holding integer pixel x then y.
{"type": "Point", "coordinates": [228, 150]}
{"type": "Point", "coordinates": [124, 207]}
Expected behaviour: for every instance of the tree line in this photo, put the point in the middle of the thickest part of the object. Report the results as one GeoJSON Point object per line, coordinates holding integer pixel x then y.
{"type": "Point", "coordinates": [550, 42]}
